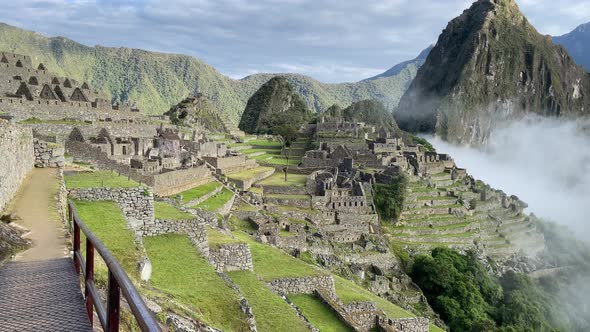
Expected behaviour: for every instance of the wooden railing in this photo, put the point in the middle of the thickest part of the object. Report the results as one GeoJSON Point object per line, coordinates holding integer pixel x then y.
{"type": "Point", "coordinates": [118, 281]}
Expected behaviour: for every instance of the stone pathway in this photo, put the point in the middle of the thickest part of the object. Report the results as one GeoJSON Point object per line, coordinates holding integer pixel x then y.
{"type": "Point", "coordinates": [40, 290]}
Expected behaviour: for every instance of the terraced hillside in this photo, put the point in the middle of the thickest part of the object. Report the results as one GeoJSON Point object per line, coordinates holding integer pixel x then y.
{"type": "Point", "coordinates": [463, 213]}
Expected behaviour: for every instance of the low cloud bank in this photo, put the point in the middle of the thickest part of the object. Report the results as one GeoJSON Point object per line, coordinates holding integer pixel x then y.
{"type": "Point", "coordinates": [544, 161]}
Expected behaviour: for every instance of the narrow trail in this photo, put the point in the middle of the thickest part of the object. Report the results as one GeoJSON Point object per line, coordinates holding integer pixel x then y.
{"type": "Point", "coordinates": [40, 290]}
{"type": "Point", "coordinates": [36, 206]}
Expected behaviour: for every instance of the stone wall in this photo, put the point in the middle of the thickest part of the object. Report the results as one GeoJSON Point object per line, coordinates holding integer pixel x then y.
{"type": "Point", "coordinates": [194, 228]}
{"type": "Point", "coordinates": [419, 324]}
{"type": "Point", "coordinates": [287, 201]}
{"type": "Point", "coordinates": [164, 184]}
{"type": "Point", "coordinates": [304, 285]}
{"type": "Point", "coordinates": [116, 129]}
{"type": "Point", "coordinates": [247, 183]}
{"type": "Point", "coordinates": [22, 109]}
{"type": "Point", "coordinates": [171, 183]}
{"type": "Point", "coordinates": [18, 158]}
{"type": "Point", "coordinates": [231, 257]}
{"type": "Point", "coordinates": [48, 155]}
{"type": "Point", "coordinates": [137, 204]}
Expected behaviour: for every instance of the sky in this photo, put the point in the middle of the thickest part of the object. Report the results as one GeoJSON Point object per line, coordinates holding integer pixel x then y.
{"type": "Point", "coordinates": [330, 40]}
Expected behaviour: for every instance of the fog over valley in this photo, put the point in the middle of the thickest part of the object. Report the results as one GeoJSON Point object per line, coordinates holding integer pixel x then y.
{"type": "Point", "coordinates": [544, 161]}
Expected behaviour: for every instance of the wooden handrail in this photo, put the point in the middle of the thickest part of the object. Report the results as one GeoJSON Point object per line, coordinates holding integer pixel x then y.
{"type": "Point", "coordinates": [118, 281]}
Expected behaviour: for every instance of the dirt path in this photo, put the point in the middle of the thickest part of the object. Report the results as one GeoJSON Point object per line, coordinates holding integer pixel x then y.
{"type": "Point", "coordinates": [36, 205]}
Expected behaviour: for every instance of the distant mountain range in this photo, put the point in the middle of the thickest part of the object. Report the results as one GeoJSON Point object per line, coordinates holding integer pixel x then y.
{"type": "Point", "coordinates": [156, 81]}
{"type": "Point", "coordinates": [577, 44]}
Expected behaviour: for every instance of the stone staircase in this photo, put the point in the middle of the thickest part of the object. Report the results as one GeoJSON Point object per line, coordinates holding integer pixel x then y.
{"type": "Point", "coordinates": [230, 127]}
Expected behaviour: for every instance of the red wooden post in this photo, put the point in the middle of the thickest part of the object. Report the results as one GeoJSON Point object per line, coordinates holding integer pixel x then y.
{"type": "Point", "coordinates": [89, 279]}
{"type": "Point", "coordinates": [76, 246]}
{"type": "Point", "coordinates": [113, 302]}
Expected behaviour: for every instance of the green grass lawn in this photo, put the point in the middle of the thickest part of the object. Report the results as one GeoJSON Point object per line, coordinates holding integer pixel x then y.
{"type": "Point", "coordinates": [318, 314]}
{"type": "Point", "coordinates": [272, 313]}
{"type": "Point", "coordinates": [166, 211]}
{"type": "Point", "coordinates": [184, 274]}
{"type": "Point", "coordinates": [278, 179]}
{"type": "Point", "coordinates": [263, 142]}
{"type": "Point", "coordinates": [216, 201]}
{"type": "Point", "coordinates": [248, 174]}
{"type": "Point", "coordinates": [271, 263]}
{"type": "Point", "coordinates": [348, 292]}
{"type": "Point", "coordinates": [107, 222]}
{"type": "Point", "coordinates": [275, 151]}
{"type": "Point", "coordinates": [77, 180]}
{"type": "Point", "coordinates": [217, 238]}
{"type": "Point", "coordinates": [199, 191]}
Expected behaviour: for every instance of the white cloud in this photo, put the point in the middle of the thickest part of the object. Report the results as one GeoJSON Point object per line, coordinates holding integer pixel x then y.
{"type": "Point", "coordinates": [544, 161]}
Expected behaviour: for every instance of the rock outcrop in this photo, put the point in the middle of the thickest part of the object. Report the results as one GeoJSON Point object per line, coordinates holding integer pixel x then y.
{"type": "Point", "coordinates": [197, 111]}
{"type": "Point", "coordinates": [489, 65]}
{"type": "Point", "coordinates": [276, 103]}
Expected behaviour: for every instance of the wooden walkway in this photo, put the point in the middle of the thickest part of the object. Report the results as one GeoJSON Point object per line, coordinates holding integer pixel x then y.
{"type": "Point", "coordinates": [41, 296]}
{"type": "Point", "coordinates": [40, 290]}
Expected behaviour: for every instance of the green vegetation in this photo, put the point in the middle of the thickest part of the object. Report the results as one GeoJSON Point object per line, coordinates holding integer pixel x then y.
{"type": "Point", "coordinates": [371, 112]}
{"type": "Point", "coordinates": [166, 211]}
{"type": "Point", "coordinates": [199, 191]}
{"type": "Point", "coordinates": [155, 81]}
{"type": "Point", "coordinates": [107, 222]}
{"type": "Point", "coordinates": [217, 238]}
{"type": "Point", "coordinates": [248, 174]}
{"type": "Point", "coordinates": [424, 142]}
{"type": "Point", "coordinates": [348, 292]}
{"type": "Point", "coordinates": [276, 108]}
{"type": "Point", "coordinates": [106, 179]}
{"type": "Point", "coordinates": [271, 263]}
{"type": "Point", "coordinates": [272, 313]}
{"type": "Point", "coordinates": [278, 179]}
{"type": "Point", "coordinates": [216, 201]}
{"type": "Point", "coordinates": [469, 298]}
{"type": "Point", "coordinates": [389, 199]}
{"type": "Point", "coordinates": [318, 314]}
{"type": "Point", "coordinates": [184, 274]}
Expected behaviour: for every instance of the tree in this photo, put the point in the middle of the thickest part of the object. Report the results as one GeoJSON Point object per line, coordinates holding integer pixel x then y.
{"type": "Point", "coordinates": [288, 134]}
{"type": "Point", "coordinates": [389, 198]}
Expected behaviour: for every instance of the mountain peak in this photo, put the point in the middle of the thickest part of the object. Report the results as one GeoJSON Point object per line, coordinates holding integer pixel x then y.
{"type": "Point", "coordinates": [490, 64]}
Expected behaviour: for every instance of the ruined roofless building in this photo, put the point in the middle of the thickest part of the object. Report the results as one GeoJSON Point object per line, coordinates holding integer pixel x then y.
{"type": "Point", "coordinates": [19, 79]}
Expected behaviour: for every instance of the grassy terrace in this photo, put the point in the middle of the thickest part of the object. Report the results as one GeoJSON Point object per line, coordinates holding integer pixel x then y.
{"type": "Point", "coordinates": [165, 211]}
{"type": "Point", "coordinates": [199, 191]}
{"type": "Point", "coordinates": [271, 263]}
{"type": "Point", "coordinates": [248, 174]}
{"type": "Point", "coordinates": [78, 180]}
{"type": "Point", "coordinates": [271, 312]}
{"type": "Point", "coordinates": [184, 274]}
{"type": "Point", "coordinates": [216, 201]}
{"type": "Point", "coordinates": [318, 314]}
{"type": "Point", "coordinates": [278, 179]}
{"type": "Point", "coordinates": [217, 238]}
{"type": "Point", "coordinates": [108, 223]}
{"type": "Point", "coordinates": [348, 292]}
{"type": "Point", "coordinates": [263, 143]}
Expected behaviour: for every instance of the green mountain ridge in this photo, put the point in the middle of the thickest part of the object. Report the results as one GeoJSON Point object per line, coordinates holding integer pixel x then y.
{"type": "Point", "coordinates": [491, 65]}
{"type": "Point", "coordinates": [157, 81]}
{"type": "Point", "coordinates": [275, 104]}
